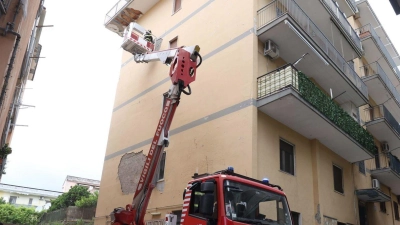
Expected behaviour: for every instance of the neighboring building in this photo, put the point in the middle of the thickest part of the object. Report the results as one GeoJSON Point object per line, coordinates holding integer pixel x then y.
{"type": "Point", "coordinates": [70, 181]}
{"type": "Point", "coordinates": [20, 28]}
{"type": "Point", "coordinates": [329, 136]}
{"type": "Point", "coordinates": [396, 6]}
{"type": "Point", "coordinates": [38, 199]}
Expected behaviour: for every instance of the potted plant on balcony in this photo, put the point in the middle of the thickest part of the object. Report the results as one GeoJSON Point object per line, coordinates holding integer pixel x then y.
{"type": "Point", "coordinates": [4, 151]}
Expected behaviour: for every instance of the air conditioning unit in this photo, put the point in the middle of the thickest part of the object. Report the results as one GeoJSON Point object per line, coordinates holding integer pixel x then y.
{"type": "Point", "coordinates": [271, 50]}
{"type": "Point", "coordinates": [375, 184]}
{"type": "Point", "coordinates": [385, 147]}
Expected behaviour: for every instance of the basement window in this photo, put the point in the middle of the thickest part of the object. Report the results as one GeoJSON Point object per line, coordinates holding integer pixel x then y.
{"type": "Point", "coordinates": [286, 157]}
{"type": "Point", "coordinates": [296, 218]}
{"type": "Point", "coordinates": [338, 179]}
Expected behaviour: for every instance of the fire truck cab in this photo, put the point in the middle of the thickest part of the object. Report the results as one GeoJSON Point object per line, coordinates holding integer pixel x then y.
{"type": "Point", "coordinates": [226, 198]}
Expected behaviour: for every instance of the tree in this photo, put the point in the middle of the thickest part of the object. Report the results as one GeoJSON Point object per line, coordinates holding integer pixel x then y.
{"type": "Point", "coordinates": [2, 201]}
{"type": "Point", "coordinates": [68, 199]}
{"type": "Point", "coordinates": [88, 202]}
{"type": "Point", "coordinates": [18, 215]}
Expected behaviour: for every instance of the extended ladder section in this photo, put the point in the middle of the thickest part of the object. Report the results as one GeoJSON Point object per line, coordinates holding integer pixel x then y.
{"type": "Point", "coordinates": [183, 64]}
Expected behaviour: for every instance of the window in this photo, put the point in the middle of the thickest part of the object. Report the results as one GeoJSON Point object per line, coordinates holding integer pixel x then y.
{"type": "Point", "coordinates": [361, 167]}
{"type": "Point", "coordinates": [286, 157]}
{"type": "Point", "coordinates": [162, 167]}
{"type": "Point", "coordinates": [340, 223]}
{"type": "Point", "coordinates": [396, 211]}
{"type": "Point", "coordinates": [197, 198]}
{"type": "Point", "coordinates": [177, 5]}
{"type": "Point", "coordinates": [382, 206]}
{"type": "Point", "coordinates": [173, 43]}
{"type": "Point", "coordinates": [30, 201]}
{"type": "Point", "coordinates": [351, 63]}
{"type": "Point", "coordinates": [13, 200]}
{"type": "Point", "coordinates": [377, 162]}
{"type": "Point", "coordinates": [338, 179]}
{"type": "Point", "coordinates": [296, 218]}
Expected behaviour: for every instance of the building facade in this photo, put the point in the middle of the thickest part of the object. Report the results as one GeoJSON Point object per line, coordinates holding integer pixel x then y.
{"type": "Point", "coordinates": [70, 181]}
{"type": "Point", "coordinates": [324, 128]}
{"type": "Point", "coordinates": [38, 199]}
{"type": "Point", "coordinates": [21, 22]}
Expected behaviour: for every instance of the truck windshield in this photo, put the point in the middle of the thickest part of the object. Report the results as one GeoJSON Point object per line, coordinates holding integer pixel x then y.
{"type": "Point", "coordinates": [254, 205]}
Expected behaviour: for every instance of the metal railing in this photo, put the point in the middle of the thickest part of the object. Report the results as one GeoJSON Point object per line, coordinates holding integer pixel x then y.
{"type": "Point", "coordinates": [72, 213]}
{"type": "Point", "coordinates": [343, 20]}
{"type": "Point", "coordinates": [352, 4]}
{"type": "Point", "coordinates": [278, 8]}
{"type": "Point", "coordinates": [384, 161]}
{"type": "Point", "coordinates": [120, 5]}
{"type": "Point", "coordinates": [381, 112]}
{"type": "Point", "coordinates": [155, 222]}
{"type": "Point", "coordinates": [288, 77]}
{"type": "Point", "coordinates": [366, 31]}
{"type": "Point", "coordinates": [375, 69]}
{"type": "Point", "coordinates": [4, 4]}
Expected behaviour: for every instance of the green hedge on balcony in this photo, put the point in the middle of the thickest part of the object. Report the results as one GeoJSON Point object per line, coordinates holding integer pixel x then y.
{"type": "Point", "coordinates": [337, 115]}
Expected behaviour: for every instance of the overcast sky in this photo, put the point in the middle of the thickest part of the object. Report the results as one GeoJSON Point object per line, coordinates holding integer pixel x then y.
{"type": "Point", "coordinates": [74, 91]}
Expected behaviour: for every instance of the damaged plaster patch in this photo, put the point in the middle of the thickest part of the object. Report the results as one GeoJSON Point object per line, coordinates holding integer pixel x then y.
{"type": "Point", "coordinates": [129, 170]}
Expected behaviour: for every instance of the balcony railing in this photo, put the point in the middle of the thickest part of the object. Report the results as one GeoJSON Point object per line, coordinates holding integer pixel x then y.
{"type": "Point", "coordinates": [375, 69]}
{"type": "Point", "coordinates": [353, 5]}
{"type": "Point", "coordinates": [4, 6]}
{"type": "Point", "coordinates": [120, 5]}
{"type": "Point", "coordinates": [278, 8]}
{"type": "Point", "coordinates": [288, 76]}
{"type": "Point", "coordinates": [366, 31]}
{"type": "Point", "coordinates": [380, 112]}
{"type": "Point", "coordinates": [385, 160]}
{"type": "Point", "coordinates": [342, 19]}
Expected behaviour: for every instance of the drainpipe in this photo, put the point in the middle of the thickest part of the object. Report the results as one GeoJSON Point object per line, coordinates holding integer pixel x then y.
{"type": "Point", "coordinates": [10, 29]}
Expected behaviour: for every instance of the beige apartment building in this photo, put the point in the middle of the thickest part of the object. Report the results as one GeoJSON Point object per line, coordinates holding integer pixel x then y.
{"type": "Point", "coordinates": [324, 128]}
{"type": "Point", "coordinates": [21, 24]}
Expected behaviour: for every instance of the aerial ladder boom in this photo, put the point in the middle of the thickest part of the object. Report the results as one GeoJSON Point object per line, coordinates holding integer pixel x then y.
{"type": "Point", "coordinates": [183, 64]}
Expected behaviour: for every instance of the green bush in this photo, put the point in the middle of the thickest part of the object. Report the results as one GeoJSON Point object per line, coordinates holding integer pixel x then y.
{"type": "Point", "coordinates": [18, 215]}
{"type": "Point", "coordinates": [2, 201]}
{"type": "Point", "coordinates": [332, 111]}
{"type": "Point", "coordinates": [88, 202]}
{"type": "Point", "coordinates": [68, 199]}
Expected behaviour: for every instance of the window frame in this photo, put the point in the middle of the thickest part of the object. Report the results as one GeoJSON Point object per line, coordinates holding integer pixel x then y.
{"type": "Point", "coordinates": [174, 10]}
{"type": "Point", "coordinates": [293, 156]}
{"type": "Point", "coordinates": [162, 167]}
{"type": "Point", "coordinates": [175, 39]}
{"type": "Point", "coordinates": [361, 167]}
{"type": "Point", "coordinates": [333, 171]}
{"type": "Point", "coordinates": [382, 207]}
{"type": "Point", "coordinates": [396, 211]}
{"type": "Point", "coordinates": [298, 217]}
{"type": "Point", "coordinates": [30, 201]}
{"type": "Point", "coordinates": [13, 197]}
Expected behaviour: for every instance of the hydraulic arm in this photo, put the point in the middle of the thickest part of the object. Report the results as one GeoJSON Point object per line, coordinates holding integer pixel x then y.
{"type": "Point", "coordinates": [183, 65]}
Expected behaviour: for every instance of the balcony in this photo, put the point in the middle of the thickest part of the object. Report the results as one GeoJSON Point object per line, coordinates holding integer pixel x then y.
{"type": "Point", "coordinates": [35, 60]}
{"type": "Point", "coordinates": [375, 50]}
{"type": "Point", "coordinates": [386, 168]}
{"type": "Point", "coordinates": [124, 12]}
{"type": "Point", "coordinates": [349, 7]}
{"type": "Point", "coordinates": [286, 24]}
{"type": "Point", "coordinates": [291, 98]}
{"type": "Point", "coordinates": [380, 88]}
{"type": "Point", "coordinates": [341, 22]}
{"type": "Point", "coordinates": [384, 127]}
